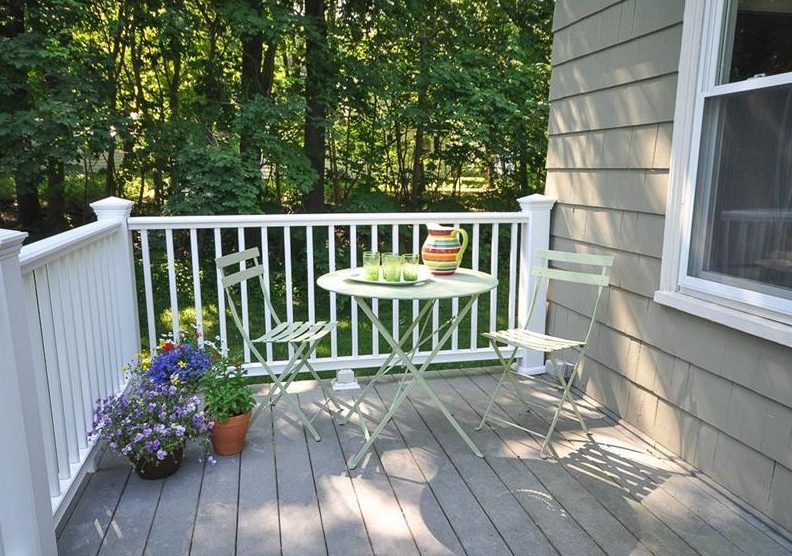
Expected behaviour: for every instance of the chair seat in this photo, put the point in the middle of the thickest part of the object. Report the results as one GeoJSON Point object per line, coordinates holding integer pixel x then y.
{"type": "Point", "coordinates": [297, 332]}
{"type": "Point", "coordinates": [532, 340]}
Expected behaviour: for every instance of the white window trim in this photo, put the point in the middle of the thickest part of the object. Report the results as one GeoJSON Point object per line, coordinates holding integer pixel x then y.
{"type": "Point", "coordinates": [751, 312]}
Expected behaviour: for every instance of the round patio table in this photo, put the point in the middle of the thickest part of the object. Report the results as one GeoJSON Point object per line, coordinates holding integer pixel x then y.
{"type": "Point", "coordinates": [464, 283]}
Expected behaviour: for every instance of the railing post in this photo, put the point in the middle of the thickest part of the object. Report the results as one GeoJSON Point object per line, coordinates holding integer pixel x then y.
{"type": "Point", "coordinates": [114, 209]}
{"type": "Point", "coordinates": [535, 235]}
{"type": "Point", "coordinates": [25, 506]}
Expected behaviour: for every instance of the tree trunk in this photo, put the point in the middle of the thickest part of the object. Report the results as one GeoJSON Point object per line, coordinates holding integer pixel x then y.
{"type": "Point", "coordinates": [315, 109]}
{"type": "Point", "coordinates": [26, 175]}
{"type": "Point", "coordinates": [417, 183]}
{"type": "Point", "coordinates": [522, 173]}
{"type": "Point", "coordinates": [56, 177]}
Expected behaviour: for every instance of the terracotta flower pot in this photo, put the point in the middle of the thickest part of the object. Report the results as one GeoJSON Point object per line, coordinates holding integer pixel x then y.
{"type": "Point", "coordinates": [152, 471]}
{"type": "Point", "coordinates": [228, 437]}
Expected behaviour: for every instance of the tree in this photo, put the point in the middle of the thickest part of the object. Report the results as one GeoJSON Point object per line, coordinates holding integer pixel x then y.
{"type": "Point", "coordinates": [317, 79]}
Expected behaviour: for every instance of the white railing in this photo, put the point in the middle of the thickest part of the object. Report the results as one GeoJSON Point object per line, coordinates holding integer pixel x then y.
{"type": "Point", "coordinates": [75, 299]}
{"type": "Point", "coordinates": [175, 257]}
{"type": "Point", "coordinates": [69, 318]}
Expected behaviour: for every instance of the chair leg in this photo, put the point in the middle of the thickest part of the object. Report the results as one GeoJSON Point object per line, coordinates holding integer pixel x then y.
{"type": "Point", "coordinates": [564, 397]}
{"type": "Point", "coordinates": [506, 370]}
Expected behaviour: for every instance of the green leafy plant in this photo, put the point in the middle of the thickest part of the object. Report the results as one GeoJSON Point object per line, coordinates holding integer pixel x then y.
{"type": "Point", "coordinates": [226, 392]}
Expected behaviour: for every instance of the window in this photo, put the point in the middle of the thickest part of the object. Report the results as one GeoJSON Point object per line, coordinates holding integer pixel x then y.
{"type": "Point", "coordinates": [729, 223]}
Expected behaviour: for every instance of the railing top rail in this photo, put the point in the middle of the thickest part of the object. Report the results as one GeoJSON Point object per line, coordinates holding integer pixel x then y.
{"type": "Point", "coordinates": [327, 219]}
{"type": "Point", "coordinates": [39, 253]}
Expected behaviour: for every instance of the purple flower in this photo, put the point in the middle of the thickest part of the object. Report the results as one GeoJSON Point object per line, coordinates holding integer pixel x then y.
{"type": "Point", "coordinates": [138, 437]}
{"type": "Point", "coordinates": [161, 454]}
{"type": "Point", "coordinates": [210, 460]}
{"type": "Point", "coordinates": [179, 430]}
{"type": "Point", "coordinates": [159, 428]}
{"type": "Point", "coordinates": [152, 445]}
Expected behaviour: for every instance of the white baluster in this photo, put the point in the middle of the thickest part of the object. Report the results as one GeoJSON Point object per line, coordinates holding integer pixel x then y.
{"type": "Point", "coordinates": [149, 291]}
{"type": "Point", "coordinates": [353, 304]}
{"type": "Point", "coordinates": [221, 302]}
{"type": "Point", "coordinates": [244, 296]}
{"type": "Point", "coordinates": [333, 314]}
{"type": "Point", "coordinates": [174, 298]}
{"type": "Point", "coordinates": [265, 257]}
{"type": "Point", "coordinates": [196, 276]}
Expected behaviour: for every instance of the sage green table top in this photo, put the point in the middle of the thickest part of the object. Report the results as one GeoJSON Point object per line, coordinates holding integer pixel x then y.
{"type": "Point", "coordinates": [464, 282]}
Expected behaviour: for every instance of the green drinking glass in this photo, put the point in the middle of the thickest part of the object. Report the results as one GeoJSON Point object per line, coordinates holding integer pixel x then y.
{"type": "Point", "coordinates": [410, 268]}
{"type": "Point", "coordinates": [371, 265]}
{"type": "Point", "coordinates": [391, 267]}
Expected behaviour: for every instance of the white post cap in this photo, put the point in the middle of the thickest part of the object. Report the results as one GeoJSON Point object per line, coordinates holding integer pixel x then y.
{"type": "Point", "coordinates": [10, 243]}
{"type": "Point", "coordinates": [112, 208]}
{"type": "Point", "coordinates": [537, 201]}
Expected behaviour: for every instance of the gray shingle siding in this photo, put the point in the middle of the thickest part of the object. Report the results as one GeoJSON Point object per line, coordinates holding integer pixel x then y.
{"type": "Point", "coordinates": [719, 398]}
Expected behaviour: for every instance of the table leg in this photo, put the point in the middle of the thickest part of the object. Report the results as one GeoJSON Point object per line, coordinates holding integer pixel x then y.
{"type": "Point", "coordinates": [384, 368]}
{"type": "Point", "coordinates": [418, 376]}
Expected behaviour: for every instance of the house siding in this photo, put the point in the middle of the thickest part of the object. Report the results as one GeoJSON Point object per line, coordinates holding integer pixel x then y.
{"type": "Point", "coordinates": [719, 398]}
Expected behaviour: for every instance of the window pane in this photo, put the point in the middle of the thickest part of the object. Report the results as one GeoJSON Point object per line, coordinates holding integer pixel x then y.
{"type": "Point", "coordinates": [758, 40]}
{"type": "Point", "coordinates": [742, 225]}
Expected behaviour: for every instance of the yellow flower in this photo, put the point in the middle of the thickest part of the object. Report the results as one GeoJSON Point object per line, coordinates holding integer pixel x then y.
{"type": "Point", "coordinates": [174, 379]}
{"type": "Point", "coordinates": [182, 364]}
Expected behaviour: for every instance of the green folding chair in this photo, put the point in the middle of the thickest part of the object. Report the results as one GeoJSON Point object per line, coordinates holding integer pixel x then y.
{"type": "Point", "coordinates": [522, 338]}
{"type": "Point", "coordinates": [302, 336]}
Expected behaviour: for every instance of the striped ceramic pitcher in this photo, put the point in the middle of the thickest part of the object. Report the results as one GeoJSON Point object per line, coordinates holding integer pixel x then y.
{"type": "Point", "coordinates": [442, 252]}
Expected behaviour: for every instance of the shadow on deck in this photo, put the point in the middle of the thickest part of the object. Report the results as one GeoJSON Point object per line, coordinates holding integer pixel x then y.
{"type": "Point", "coordinates": [421, 491]}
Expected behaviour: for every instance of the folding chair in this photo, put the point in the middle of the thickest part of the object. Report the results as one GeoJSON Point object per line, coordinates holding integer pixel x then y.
{"type": "Point", "coordinates": [301, 336]}
{"type": "Point", "coordinates": [522, 338]}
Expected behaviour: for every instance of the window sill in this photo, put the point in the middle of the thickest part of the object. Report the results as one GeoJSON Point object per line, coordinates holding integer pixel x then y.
{"type": "Point", "coordinates": [750, 324]}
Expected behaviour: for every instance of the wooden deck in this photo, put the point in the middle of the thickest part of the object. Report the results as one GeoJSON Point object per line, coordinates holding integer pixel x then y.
{"type": "Point", "coordinates": [420, 492]}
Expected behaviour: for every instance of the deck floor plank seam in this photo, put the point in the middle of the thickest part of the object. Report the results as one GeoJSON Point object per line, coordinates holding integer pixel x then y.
{"type": "Point", "coordinates": [420, 490]}
{"type": "Point", "coordinates": [696, 530]}
{"type": "Point", "coordinates": [400, 421]}
{"type": "Point", "coordinates": [533, 540]}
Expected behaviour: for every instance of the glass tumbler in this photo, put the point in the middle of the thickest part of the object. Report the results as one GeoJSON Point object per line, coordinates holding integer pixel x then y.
{"type": "Point", "coordinates": [391, 267]}
{"type": "Point", "coordinates": [410, 268]}
{"type": "Point", "coordinates": [371, 265]}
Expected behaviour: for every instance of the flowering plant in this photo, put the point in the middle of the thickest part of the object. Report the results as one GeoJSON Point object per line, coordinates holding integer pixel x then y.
{"type": "Point", "coordinates": [178, 363]}
{"type": "Point", "coordinates": [149, 421]}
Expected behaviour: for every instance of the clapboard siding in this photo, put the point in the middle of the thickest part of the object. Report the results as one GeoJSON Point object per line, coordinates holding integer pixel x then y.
{"type": "Point", "coordinates": [621, 64]}
{"type": "Point", "coordinates": [640, 103]}
{"type": "Point", "coordinates": [617, 188]}
{"type": "Point", "coordinates": [567, 13]}
{"type": "Point", "coordinates": [719, 398]}
{"type": "Point", "coordinates": [616, 24]}
{"type": "Point", "coordinates": [640, 147]}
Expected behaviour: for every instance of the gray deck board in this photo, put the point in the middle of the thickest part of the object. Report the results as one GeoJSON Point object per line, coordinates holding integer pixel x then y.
{"type": "Point", "coordinates": [513, 523]}
{"type": "Point", "coordinates": [171, 529]}
{"type": "Point", "coordinates": [132, 520]}
{"type": "Point", "coordinates": [91, 517]}
{"type": "Point", "coordinates": [216, 518]}
{"type": "Point", "coordinates": [300, 518]}
{"type": "Point", "coordinates": [699, 534]}
{"type": "Point", "coordinates": [425, 515]}
{"type": "Point", "coordinates": [258, 530]}
{"type": "Point", "coordinates": [420, 490]}
{"type": "Point", "coordinates": [735, 525]}
{"type": "Point", "coordinates": [473, 526]}
{"type": "Point", "coordinates": [385, 522]}
{"type": "Point", "coordinates": [344, 528]}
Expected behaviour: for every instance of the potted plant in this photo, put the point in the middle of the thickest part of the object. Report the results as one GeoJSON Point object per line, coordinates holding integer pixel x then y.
{"type": "Point", "coordinates": [150, 424]}
{"type": "Point", "coordinates": [228, 400]}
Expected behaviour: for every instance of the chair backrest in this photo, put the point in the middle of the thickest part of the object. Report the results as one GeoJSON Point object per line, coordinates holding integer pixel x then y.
{"type": "Point", "coordinates": [232, 275]}
{"type": "Point", "coordinates": [547, 274]}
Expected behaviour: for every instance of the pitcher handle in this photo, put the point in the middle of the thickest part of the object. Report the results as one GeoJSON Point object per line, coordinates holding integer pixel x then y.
{"type": "Point", "coordinates": [464, 234]}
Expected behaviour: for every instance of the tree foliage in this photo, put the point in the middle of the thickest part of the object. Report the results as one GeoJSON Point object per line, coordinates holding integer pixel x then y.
{"type": "Point", "coordinates": [237, 106]}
